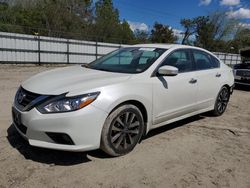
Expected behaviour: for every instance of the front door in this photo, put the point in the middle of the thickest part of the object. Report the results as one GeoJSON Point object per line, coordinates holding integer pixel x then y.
{"type": "Point", "coordinates": [174, 96]}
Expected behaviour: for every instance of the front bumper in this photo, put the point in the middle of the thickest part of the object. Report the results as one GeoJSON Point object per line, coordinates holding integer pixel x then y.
{"type": "Point", "coordinates": [83, 127]}
{"type": "Point", "coordinates": [243, 81]}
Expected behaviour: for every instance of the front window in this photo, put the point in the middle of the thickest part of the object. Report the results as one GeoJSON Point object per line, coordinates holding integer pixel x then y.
{"type": "Point", "coordinates": [180, 59]}
{"type": "Point", "coordinates": [128, 60]}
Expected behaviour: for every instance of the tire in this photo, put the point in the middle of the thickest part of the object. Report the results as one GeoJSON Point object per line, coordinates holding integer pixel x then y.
{"type": "Point", "coordinates": [122, 130]}
{"type": "Point", "coordinates": [221, 101]}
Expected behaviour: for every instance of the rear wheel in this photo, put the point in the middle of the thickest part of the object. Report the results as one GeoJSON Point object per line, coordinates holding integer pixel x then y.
{"type": "Point", "coordinates": [122, 130]}
{"type": "Point", "coordinates": [221, 101]}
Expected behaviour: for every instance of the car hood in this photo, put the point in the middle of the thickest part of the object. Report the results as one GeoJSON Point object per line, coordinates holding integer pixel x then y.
{"type": "Point", "coordinates": [71, 79]}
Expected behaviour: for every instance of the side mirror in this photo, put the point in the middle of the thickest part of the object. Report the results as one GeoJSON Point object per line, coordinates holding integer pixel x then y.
{"type": "Point", "coordinates": [167, 70]}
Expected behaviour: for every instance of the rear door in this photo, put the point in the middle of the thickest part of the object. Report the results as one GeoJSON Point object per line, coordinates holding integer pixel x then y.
{"type": "Point", "coordinates": [208, 78]}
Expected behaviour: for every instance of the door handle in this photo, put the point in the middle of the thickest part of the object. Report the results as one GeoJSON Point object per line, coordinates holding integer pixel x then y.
{"type": "Point", "coordinates": [192, 81]}
{"type": "Point", "coordinates": [218, 75]}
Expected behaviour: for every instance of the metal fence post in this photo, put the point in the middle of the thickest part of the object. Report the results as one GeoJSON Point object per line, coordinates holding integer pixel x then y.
{"type": "Point", "coordinates": [39, 50]}
{"type": "Point", "coordinates": [68, 51]}
{"type": "Point", "coordinates": [96, 49]}
{"type": "Point", "coordinates": [225, 58]}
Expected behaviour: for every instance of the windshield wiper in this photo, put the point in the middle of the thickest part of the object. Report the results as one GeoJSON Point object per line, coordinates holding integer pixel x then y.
{"type": "Point", "coordinates": [102, 69]}
{"type": "Point", "coordinates": [86, 65]}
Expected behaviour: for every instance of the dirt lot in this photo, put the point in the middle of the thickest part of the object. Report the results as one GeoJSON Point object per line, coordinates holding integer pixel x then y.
{"type": "Point", "coordinates": [201, 151]}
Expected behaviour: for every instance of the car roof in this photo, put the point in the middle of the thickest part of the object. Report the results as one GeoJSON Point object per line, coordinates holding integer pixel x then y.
{"type": "Point", "coordinates": [166, 46]}
{"type": "Point", "coordinates": [175, 46]}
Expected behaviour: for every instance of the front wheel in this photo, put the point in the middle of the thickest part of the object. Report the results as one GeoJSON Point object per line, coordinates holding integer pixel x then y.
{"type": "Point", "coordinates": [122, 130]}
{"type": "Point", "coordinates": [221, 101]}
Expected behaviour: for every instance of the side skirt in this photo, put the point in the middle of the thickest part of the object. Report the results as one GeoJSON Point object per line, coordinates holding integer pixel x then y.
{"type": "Point", "coordinates": [180, 118]}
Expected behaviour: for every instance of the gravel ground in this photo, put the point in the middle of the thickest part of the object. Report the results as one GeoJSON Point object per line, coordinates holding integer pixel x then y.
{"type": "Point", "coordinates": [201, 151]}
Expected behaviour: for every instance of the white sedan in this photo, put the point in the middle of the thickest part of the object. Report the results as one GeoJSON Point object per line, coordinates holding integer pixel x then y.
{"type": "Point", "coordinates": [114, 101]}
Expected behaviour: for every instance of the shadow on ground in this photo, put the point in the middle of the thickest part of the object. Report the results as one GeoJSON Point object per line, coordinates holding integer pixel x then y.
{"type": "Point", "coordinates": [47, 156]}
{"type": "Point", "coordinates": [175, 125]}
{"type": "Point", "coordinates": [63, 158]}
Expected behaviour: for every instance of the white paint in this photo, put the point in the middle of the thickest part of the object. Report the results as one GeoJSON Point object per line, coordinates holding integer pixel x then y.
{"type": "Point", "coordinates": [166, 99]}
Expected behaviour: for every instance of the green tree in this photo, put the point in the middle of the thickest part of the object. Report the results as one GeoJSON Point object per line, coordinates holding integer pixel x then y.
{"type": "Point", "coordinates": [241, 40]}
{"type": "Point", "coordinates": [162, 34]}
{"type": "Point", "coordinates": [212, 32]}
{"type": "Point", "coordinates": [126, 34]}
{"type": "Point", "coordinates": [107, 23]}
{"type": "Point", "coordinates": [141, 36]}
{"type": "Point", "coordinates": [204, 33]}
{"type": "Point", "coordinates": [191, 27]}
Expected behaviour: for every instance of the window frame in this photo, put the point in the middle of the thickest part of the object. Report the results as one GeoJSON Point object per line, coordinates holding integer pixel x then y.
{"type": "Point", "coordinates": [154, 73]}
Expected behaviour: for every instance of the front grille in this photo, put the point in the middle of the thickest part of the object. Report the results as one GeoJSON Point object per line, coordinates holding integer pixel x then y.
{"type": "Point", "coordinates": [22, 128]}
{"type": "Point", "coordinates": [244, 73]}
{"type": "Point", "coordinates": [243, 81]}
{"type": "Point", "coordinates": [24, 98]}
{"type": "Point", "coordinates": [16, 116]}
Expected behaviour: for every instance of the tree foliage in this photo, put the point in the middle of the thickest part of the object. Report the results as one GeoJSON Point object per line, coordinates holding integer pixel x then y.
{"type": "Point", "coordinates": [241, 40]}
{"type": "Point", "coordinates": [141, 36]}
{"type": "Point", "coordinates": [99, 20]}
{"type": "Point", "coordinates": [213, 32]}
{"type": "Point", "coordinates": [162, 34]}
{"type": "Point", "coordinates": [80, 19]}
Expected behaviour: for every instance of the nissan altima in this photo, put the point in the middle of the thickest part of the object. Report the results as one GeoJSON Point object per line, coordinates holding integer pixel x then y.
{"type": "Point", "coordinates": [114, 101]}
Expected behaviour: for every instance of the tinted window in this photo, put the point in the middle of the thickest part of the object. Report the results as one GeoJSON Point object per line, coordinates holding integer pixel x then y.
{"type": "Point", "coordinates": [204, 61]}
{"type": "Point", "coordinates": [123, 58]}
{"type": "Point", "coordinates": [180, 59]}
{"type": "Point", "coordinates": [215, 62]}
{"type": "Point", "coordinates": [148, 56]}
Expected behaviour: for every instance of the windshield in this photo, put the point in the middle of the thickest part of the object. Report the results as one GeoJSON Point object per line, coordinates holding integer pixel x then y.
{"type": "Point", "coordinates": [127, 60]}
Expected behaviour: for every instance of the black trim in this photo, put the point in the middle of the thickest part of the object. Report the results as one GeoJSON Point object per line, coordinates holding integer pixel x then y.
{"type": "Point", "coordinates": [16, 116]}
{"type": "Point", "coordinates": [60, 138]}
{"type": "Point", "coordinates": [209, 56]}
{"type": "Point", "coordinates": [232, 89]}
{"type": "Point", "coordinates": [30, 100]}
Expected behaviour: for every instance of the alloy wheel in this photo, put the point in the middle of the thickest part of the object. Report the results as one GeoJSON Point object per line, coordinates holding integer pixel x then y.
{"type": "Point", "coordinates": [125, 131]}
{"type": "Point", "coordinates": [222, 100]}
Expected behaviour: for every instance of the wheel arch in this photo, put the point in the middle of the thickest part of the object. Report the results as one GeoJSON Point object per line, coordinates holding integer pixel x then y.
{"type": "Point", "coordinates": [136, 103]}
{"type": "Point", "coordinates": [228, 87]}
{"type": "Point", "coordinates": [145, 112]}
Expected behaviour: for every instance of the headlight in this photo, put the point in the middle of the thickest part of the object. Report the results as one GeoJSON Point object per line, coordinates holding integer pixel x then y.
{"type": "Point", "coordinates": [67, 104]}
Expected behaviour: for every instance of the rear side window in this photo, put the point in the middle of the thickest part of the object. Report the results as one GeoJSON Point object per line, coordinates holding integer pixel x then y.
{"type": "Point", "coordinates": [215, 62]}
{"type": "Point", "coordinates": [204, 61]}
{"type": "Point", "coordinates": [180, 59]}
